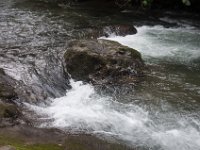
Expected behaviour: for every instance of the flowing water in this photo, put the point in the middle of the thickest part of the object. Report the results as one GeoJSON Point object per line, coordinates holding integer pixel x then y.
{"type": "Point", "coordinates": [161, 113]}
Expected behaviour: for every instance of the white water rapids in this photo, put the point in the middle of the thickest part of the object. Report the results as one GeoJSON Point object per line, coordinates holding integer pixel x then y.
{"type": "Point", "coordinates": [83, 109]}
{"type": "Point", "coordinates": [181, 43]}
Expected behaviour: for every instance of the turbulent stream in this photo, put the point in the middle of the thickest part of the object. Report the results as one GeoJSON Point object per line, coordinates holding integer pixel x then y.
{"type": "Point", "coordinates": [161, 113]}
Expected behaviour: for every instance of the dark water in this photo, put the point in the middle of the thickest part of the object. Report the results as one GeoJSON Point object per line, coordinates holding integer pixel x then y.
{"type": "Point", "coordinates": [162, 112]}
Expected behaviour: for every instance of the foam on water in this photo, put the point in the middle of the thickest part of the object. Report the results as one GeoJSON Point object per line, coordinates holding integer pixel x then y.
{"type": "Point", "coordinates": [82, 109]}
{"type": "Point", "coordinates": [181, 44]}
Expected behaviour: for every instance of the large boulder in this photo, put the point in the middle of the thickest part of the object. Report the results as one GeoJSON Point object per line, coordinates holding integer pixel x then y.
{"type": "Point", "coordinates": [103, 62]}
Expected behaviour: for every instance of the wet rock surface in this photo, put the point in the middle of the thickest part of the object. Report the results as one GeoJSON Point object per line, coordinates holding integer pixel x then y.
{"type": "Point", "coordinates": [103, 62]}
{"type": "Point", "coordinates": [9, 114]}
{"type": "Point", "coordinates": [8, 109]}
{"type": "Point", "coordinates": [7, 91]}
{"type": "Point", "coordinates": [119, 30]}
{"type": "Point", "coordinates": [106, 31]}
{"type": "Point", "coordinates": [35, 79]}
{"type": "Point", "coordinates": [30, 138]}
{"type": "Point", "coordinates": [32, 40]}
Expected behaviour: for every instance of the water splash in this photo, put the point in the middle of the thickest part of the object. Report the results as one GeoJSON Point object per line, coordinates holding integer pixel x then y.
{"type": "Point", "coordinates": [177, 44]}
{"type": "Point", "coordinates": [83, 110]}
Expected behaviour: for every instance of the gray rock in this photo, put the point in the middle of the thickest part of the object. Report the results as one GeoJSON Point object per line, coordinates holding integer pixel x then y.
{"type": "Point", "coordinates": [94, 33]}
{"type": "Point", "coordinates": [7, 91]}
{"type": "Point", "coordinates": [8, 109]}
{"type": "Point", "coordinates": [119, 30]}
{"type": "Point", "coordinates": [103, 62]}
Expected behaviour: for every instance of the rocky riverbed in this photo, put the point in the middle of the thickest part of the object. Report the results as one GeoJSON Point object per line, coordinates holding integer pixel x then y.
{"type": "Point", "coordinates": [102, 63]}
{"type": "Point", "coordinates": [119, 98]}
{"type": "Point", "coordinates": [35, 74]}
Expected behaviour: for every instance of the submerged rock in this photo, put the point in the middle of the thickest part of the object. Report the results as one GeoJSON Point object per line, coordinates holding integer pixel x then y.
{"type": "Point", "coordinates": [94, 33]}
{"type": "Point", "coordinates": [103, 62]}
{"type": "Point", "coordinates": [8, 114]}
{"type": "Point", "coordinates": [8, 110]}
{"type": "Point", "coordinates": [7, 92]}
{"type": "Point", "coordinates": [119, 30]}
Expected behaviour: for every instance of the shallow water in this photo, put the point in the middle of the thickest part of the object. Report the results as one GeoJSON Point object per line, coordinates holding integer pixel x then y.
{"type": "Point", "coordinates": [160, 113]}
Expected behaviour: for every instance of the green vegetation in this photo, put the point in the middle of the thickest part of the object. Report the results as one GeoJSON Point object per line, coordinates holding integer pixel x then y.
{"type": "Point", "coordinates": [86, 142]}
{"type": "Point", "coordinates": [19, 144]}
{"type": "Point", "coordinates": [74, 142]}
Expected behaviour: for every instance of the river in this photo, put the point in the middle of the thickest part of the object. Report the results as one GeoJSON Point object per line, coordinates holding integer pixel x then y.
{"type": "Point", "coordinates": [160, 113]}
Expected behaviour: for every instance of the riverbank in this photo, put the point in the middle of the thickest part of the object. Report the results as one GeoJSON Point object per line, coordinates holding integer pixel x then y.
{"type": "Point", "coordinates": [31, 138]}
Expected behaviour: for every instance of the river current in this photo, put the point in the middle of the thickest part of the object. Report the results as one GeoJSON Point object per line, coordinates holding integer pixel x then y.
{"type": "Point", "coordinates": [160, 113]}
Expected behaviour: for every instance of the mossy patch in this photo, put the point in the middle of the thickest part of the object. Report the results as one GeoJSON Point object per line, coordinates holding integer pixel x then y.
{"type": "Point", "coordinates": [19, 144]}
{"type": "Point", "coordinates": [87, 142]}
{"type": "Point", "coordinates": [28, 138]}
{"type": "Point", "coordinates": [8, 111]}
{"type": "Point", "coordinates": [134, 54]}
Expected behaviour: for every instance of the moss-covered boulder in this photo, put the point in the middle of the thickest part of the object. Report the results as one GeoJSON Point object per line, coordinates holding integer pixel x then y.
{"type": "Point", "coordinates": [103, 62]}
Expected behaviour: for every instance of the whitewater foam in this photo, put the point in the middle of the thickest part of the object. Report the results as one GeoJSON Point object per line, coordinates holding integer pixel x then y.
{"type": "Point", "coordinates": [83, 110]}
{"type": "Point", "coordinates": [179, 44]}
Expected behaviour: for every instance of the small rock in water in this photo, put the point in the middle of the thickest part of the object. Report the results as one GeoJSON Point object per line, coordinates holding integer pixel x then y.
{"type": "Point", "coordinates": [7, 92]}
{"type": "Point", "coordinates": [119, 30]}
